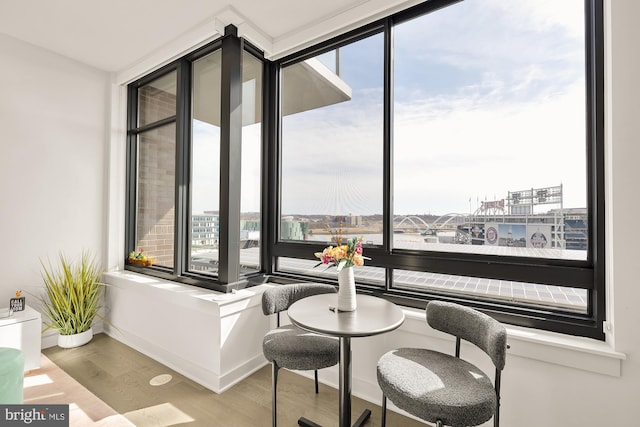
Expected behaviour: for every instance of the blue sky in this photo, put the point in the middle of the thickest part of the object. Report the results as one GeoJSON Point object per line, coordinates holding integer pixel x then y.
{"type": "Point", "coordinates": [489, 98]}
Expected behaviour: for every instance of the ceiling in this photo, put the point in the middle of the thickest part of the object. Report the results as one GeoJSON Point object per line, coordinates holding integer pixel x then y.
{"type": "Point", "coordinates": [114, 35]}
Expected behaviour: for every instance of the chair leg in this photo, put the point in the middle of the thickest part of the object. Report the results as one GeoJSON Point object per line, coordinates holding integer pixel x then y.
{"type": "Point", "coordinates": [316, 375]}
{"type": "Point", "coordinates": [274, 393]}
{"type": "Point", "coordinates": [439, 423]}
{"type": "Point", "coordinates": [384, 411]}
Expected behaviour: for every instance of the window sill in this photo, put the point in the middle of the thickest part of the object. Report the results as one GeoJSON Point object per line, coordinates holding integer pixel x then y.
{"type": "Point", "coordinates": [565, 350]}
{"type": "Point", "coordinates": [550, 347]}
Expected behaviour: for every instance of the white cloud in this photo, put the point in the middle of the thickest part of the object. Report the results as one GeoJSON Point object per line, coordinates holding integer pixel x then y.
{"type": "Point", "coordinates": [449, 152]}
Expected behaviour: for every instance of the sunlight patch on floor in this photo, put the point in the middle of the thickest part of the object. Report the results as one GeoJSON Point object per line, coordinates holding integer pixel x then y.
{"type": "Point", "coordinates": [163, 415]}
{"type": "Point", "coordinates": [37, 380]}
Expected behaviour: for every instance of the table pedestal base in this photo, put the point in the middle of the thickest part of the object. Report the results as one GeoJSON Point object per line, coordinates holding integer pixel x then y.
{"type": "Point", "coordinates": [372, 317]}
{"type": "Point", "coordinates": [345, 390]}
{"type": "Point", "coordinates": [303, 422]}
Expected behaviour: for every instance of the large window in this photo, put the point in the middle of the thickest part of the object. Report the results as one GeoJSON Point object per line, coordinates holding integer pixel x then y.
{"type": "Point", "coordinates": [195, 139]}
{"type": "Point", "coordinates": [205, 163]}
{"type": "Point", "coordinates": [250, 207]}
{"type": "Point", "coordinates": [475, 137]}
{"type": "Point", "coordinates": [156, 145]}
{"type": "Point", "coordinates": [489, 140]}
{"type": "Point", "coordinates": [332, 144]}
{"type": "Point", "coordinates": [489, 130]}
{"type": "Point", "coordinates": [462, 140]}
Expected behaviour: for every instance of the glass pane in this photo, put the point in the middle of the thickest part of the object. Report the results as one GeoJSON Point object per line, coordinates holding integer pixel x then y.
{"type": "Point", "coordinates": [205, 164]}
{"type": "Point", "coordinates": [156, 202]}
{"type": "Point", "coordinates": [365, 273]}
{"type": "Point", "coordinates": [332, 145]}
{"type": "Point", "coordinates": [251, 162]}
{"type": "Point", "coordinates": [489, 130]}
{"type": "Point", "coordinates": [566, 299]}
{"type": "Point", "coordinates": [157, 100]}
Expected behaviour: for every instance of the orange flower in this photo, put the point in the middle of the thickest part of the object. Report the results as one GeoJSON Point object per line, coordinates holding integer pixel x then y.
{"type": "Point", "coordinates": [343, 255]}
{"type": "Point", "coordinates": [358, 260]}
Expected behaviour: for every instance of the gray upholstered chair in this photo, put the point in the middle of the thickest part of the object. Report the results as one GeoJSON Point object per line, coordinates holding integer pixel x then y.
{"type": "Point", "coordinates": [291, 347]}
{"type": "Point", "coordinates": [438, 387]}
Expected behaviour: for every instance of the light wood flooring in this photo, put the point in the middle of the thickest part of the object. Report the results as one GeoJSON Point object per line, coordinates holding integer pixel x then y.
{"type": "Point", "coordinates": [121, 376]}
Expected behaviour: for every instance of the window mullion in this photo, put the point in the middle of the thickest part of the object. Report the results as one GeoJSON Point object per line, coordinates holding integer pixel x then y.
{"type": "Point", "coordinates": [131, 178]}
{"type": "Point", "coordinates": [230, 156]}
{"type": "Point", "coordinates": [183, 162]}
{"type": "Point", "coordinates": [387, 167]}
{"type": "Point", "coordinates": [270, 174]}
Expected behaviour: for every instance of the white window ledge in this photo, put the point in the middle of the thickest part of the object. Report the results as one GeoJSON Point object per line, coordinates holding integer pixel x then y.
{"type": "Point", "coordinates": [565, 350]}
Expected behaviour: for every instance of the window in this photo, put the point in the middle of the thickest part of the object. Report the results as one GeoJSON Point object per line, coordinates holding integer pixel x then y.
{"type": "Point", "coordinates": [489, 130]}
{"type": "Point", "coordinates": [462, 140]}
{"type": "Point", "coordinates": [250, 220]}
{"type": "Point", "coordinates": [155, 207]}
{"type": "Point", "coordinates": [205, 163]}
{"type": "Point", "coordinates": [489, 139]}
{"type": "Point", "coordinates": [190, 151]}
{"type": "Point", "coordinates": [478, 160]}
{"type": "Point", "coordinates": [332, 144]}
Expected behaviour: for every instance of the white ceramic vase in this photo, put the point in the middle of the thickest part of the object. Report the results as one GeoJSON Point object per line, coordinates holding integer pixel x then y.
{"type": "Point", "coordinates": [346, 290]}
{"type": "Point", "coordinates": [75, 340]}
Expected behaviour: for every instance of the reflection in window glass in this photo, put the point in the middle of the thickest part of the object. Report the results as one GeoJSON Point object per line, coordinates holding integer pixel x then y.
{"type": "Point", "coordinates": [557, 297]}
{"type": "Point", "coordinates": [332, 145]}
{"type": "Point", "coordinates": [205, 166]}
{"type": "Point", "coordinates": [489, 130]}
{"type": "Point", "coordinates": [251, 160]}
{"type": "Point", "coordinates": [156, 203]}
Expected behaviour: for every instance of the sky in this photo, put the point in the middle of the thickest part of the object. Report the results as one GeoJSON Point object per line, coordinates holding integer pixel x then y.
{"type": "Point", "coordinates": [489, 98]}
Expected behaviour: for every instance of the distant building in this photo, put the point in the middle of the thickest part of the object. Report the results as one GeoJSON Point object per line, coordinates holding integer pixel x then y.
{"type": "Point", "coordinates": [292, 229]}
{"type": "Point", "coordinates": [205, 229]}
{"type": "Point", "coordinates": [354, 220]}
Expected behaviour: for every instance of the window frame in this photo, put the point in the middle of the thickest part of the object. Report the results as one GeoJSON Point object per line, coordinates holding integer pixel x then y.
{"type": "Point", "coordinates": [584, 274]}
{"type": "Point", "coordinates": [588, 274]}
{"type": "Point", "coordinates": [228, 276]}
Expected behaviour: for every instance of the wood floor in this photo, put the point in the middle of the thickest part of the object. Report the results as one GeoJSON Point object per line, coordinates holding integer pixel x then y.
{"type": "Point", "coordinates": [121, 377]}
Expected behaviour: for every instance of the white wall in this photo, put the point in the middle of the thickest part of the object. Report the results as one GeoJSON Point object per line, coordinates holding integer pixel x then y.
{"type": "Point", "coordinates": [53, 116]}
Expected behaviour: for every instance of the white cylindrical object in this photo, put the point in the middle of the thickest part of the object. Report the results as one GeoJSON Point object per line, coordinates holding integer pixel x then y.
{"type": "Point", "coordinates": [346, 290]}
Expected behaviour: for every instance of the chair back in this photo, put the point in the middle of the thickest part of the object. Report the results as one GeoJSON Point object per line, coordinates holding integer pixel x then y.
{"type": "Point", "coordinates": [279, 298]}
{"type": "Point", "coordinates": [470, 325]}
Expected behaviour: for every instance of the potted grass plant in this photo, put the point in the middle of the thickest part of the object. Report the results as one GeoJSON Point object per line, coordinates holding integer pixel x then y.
{"type": "Point", "coordinates": [73, 292]}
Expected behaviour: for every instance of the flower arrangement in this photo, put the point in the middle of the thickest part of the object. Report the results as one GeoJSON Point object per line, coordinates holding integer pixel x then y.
{"type": "Point", "coordinates": [343, 256]}
{"type": "Point", "coordinates": [140, 258]}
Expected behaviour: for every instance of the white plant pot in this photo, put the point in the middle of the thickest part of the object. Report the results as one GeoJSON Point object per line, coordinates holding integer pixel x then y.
{"type": "Point", "coordinates": [75, 340]}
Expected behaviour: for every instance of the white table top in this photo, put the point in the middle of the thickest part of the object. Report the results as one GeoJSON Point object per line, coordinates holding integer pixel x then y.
{"type": "Point", "coordinates": [21, 316]}
{"type": "Point", "coordinates": [372, 316]}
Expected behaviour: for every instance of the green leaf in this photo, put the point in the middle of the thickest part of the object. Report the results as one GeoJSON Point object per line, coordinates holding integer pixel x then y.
{"type": "Point", "coordinates": [72, 294]}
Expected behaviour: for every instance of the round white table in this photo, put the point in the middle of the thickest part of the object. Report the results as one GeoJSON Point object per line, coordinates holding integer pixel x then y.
{"type": "Point", "coordinates": [372, 316]}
